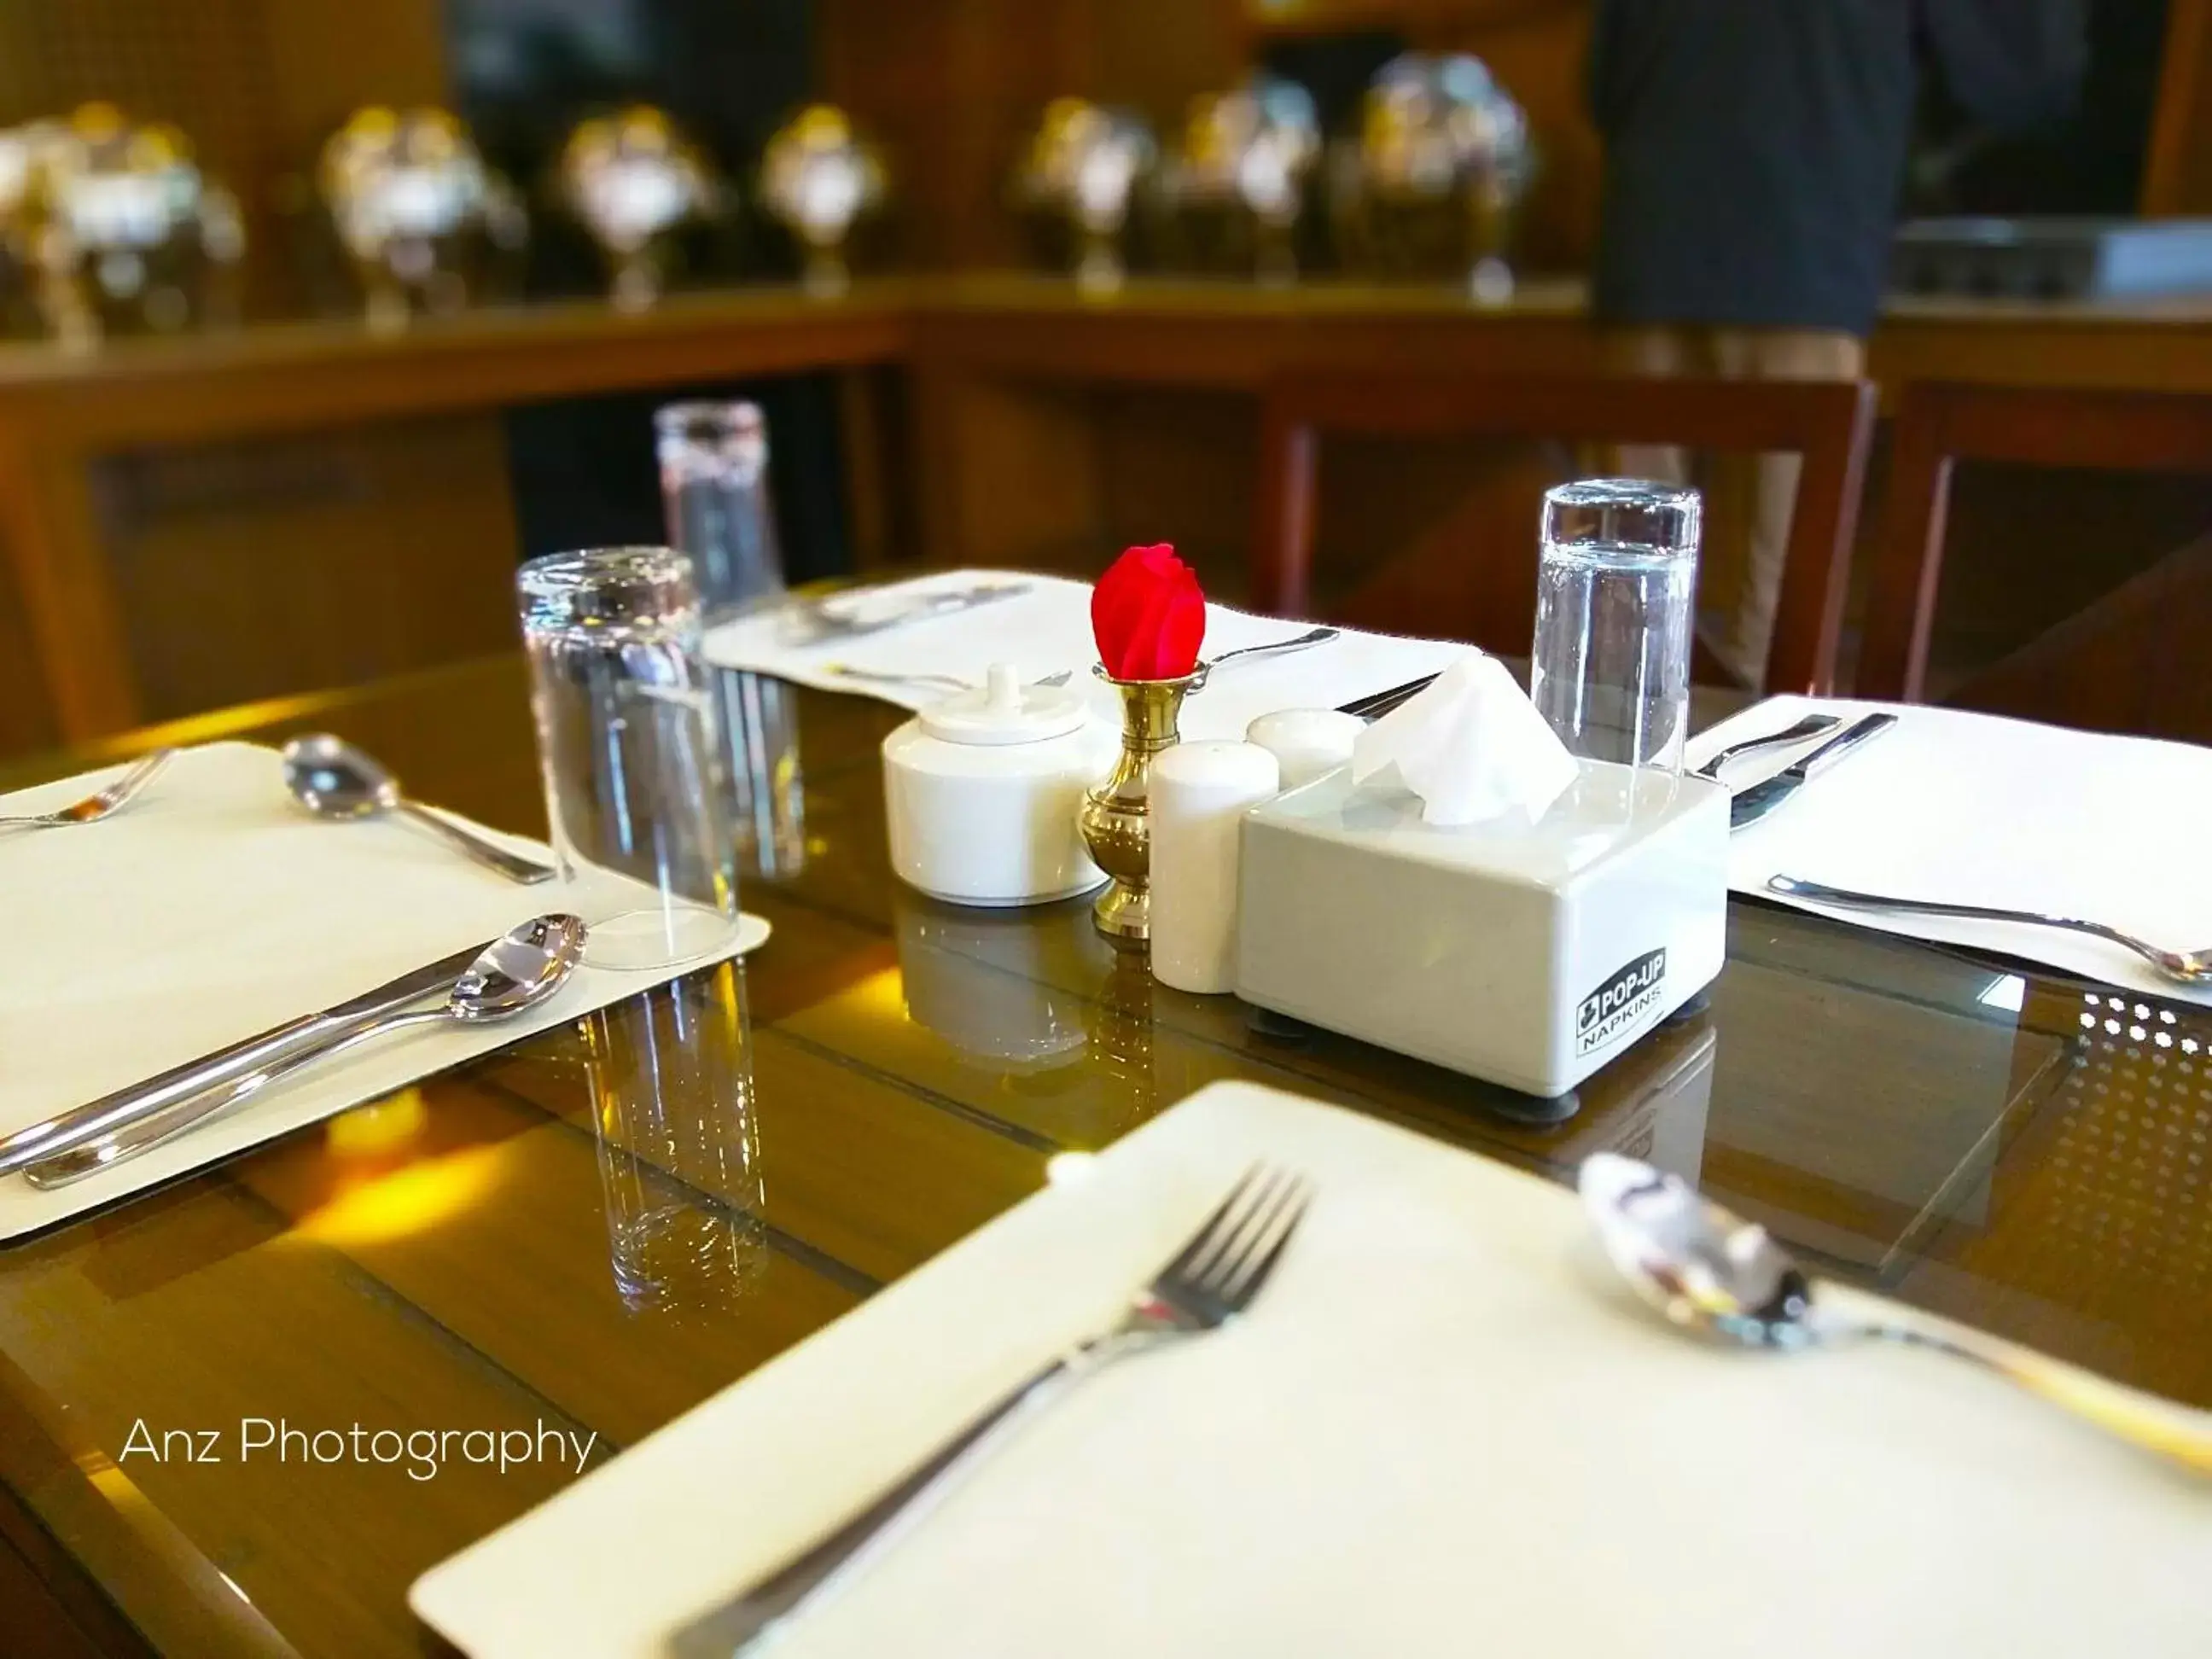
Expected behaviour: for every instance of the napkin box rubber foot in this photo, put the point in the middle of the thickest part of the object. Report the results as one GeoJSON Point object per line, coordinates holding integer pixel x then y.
{"type": "Point", "coordinates": [1527, 954]}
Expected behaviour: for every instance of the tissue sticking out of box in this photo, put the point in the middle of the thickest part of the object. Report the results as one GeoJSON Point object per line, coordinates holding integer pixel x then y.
{"type": "Point", "coordinates": [1472, 746]}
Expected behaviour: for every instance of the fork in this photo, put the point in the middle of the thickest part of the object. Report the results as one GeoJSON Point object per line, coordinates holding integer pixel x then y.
{"type": "Point", "coordinates": [93, 808]}
{"type": "Point", "coordinates": [952, 682]}
{"type": "Point", "coordinates": [2183, 967]}
{"type": "Point", "coordinates": [1214, 1278]}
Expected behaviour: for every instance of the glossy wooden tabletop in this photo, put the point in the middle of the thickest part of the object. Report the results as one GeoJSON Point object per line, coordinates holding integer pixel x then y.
{"type": "Point", "coordinates": [595, 1230]}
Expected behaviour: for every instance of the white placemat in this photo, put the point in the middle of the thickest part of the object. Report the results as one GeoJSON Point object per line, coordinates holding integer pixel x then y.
{"type": "Point", "coordinates": [1048, 629]}
{"type": "Point", "coordinates": [1973, 809]}
{"type": "Point", "coordinates": [1443, 1431]}
{"type": "Point", "coordinates": [210, 908]}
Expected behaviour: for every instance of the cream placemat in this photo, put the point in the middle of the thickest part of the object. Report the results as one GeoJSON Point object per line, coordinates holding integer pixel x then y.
{"type": "Point", "coordinates": [1973, 809]}
{"type": "Point", "coordinates": [212, 907]}
{"type": "Point", "coordinates": [1443, 1431]}
{"type": "Point", "coordinates": [1048, 629]}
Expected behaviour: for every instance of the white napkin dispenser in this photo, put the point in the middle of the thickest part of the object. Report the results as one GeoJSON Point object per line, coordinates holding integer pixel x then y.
{"type": "Point", "coordinates": [1525, 954]}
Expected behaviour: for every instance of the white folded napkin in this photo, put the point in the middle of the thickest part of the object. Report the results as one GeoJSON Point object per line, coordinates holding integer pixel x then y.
{"type": "Point", "coordinates": [1974, 809]}
{"type": "Point", "coordinates": [1445, 1429]}
{"type": "Point", "coordinates": [1047, 630]}
{"type": "Point", "coordinates": [1472, 746]}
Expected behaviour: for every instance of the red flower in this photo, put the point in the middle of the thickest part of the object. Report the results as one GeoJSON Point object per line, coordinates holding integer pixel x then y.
{"type": "Point", "coordinates": [1149, 616]}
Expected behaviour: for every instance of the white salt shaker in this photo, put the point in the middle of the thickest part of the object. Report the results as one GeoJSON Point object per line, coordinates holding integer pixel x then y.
{"type": "Point", "coordinates": [982, 789]}
{"type": "Point", "coordinates": [1308, 743]}
{"type": "Point", "coordinates": [1200, 792]}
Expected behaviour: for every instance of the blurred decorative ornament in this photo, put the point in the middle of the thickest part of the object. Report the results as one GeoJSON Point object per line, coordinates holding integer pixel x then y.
{"type": "Point", "coordinates": [1076, 181]}
{"type": "Point", "coordinates": [635, 180]}
{"type": "Point", "coordinates": [1429, 187]}
{"type": "Point", "coordinates": [118, 225]}
{"type": "Point", "coordinates": [1234, 189]}
{"type": "Point", "coordinates": [820, 179]}
{"type": "Point", "coordinates": [22, 156]}
{"type": "Point", "coordinates": [420, 217]}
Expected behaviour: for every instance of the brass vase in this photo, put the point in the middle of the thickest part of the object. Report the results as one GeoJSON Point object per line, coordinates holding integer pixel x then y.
{"type": "Point", "coordinates": [1116, 816]}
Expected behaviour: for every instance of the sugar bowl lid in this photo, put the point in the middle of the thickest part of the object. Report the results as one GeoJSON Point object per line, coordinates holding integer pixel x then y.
{"type": "Point", "coordinates": [1004, 711]}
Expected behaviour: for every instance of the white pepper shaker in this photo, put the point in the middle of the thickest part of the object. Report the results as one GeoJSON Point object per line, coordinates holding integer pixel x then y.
{"type": "Point", "coordinates": [1199, 794]}
{"type": "Point", "coordinates": [1307, 742]}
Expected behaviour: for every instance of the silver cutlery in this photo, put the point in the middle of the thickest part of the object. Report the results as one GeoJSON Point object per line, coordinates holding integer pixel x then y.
{"type": "Point", "coordinates": [1212, 1279]}
{"type": "Point", "coordinates": [950, 682]}
{"type": "Point", "coordinates": [513, 974]}
{"type": "Point", "coordinates": [811, 622]}
{"type": "Point", "coordinates": [1749, 806]}
{"type": "Point", "coordinates": [1375, 705]}
{"type": "Point", "coordinates": [2183, 967]}
{"type": "Point", "coordinates": [1296, 642]}
{"type": "Point", "coordinates": [333, 780]}
{"type": "Point", "coordinates": [1712, 1272]}
{"type": "Point", "coordinates": [1812, 726]}
{"type": "Point", "coordinates": [181, 1083]}
{"type": "Point", "coordinates": [106, 803]}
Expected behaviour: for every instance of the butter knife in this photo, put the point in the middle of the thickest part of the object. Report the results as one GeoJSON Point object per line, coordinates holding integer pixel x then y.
{"type": "Point", "coordinates": [89, 1122]}
{"type": "Point", "coordinates": [1749, 806]}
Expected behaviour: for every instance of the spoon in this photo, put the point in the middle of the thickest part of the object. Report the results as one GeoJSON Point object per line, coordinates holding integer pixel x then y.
{"type": "Point", "coordinates": [1811, 726]}
{"type": "Point", "coordinates": [333, 780]}
{"type": "Point", "coordinates": [1714, 1273]}
{"type": "Point", "coordinates": [2183, 967]}
{"type": "Point", "coordinates": [515, 973]}
{"type": "Point", "coordinates": [1296, 642]}
{"type": "Point", "coordinates": [93, 808]}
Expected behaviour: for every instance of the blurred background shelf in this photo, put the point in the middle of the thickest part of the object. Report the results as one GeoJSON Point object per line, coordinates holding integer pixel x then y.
{"type": "Point", "coordinates": [291, 505]}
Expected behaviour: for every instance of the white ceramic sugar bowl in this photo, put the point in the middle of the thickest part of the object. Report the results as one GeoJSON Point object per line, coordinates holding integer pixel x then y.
{"type": "Point", "coordinates": [981, 791]}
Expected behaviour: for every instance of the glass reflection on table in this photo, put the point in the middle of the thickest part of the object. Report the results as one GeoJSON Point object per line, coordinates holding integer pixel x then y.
{"type": "Point", "coordinates": [671, 1078]}
{"type": "Point", "coordinates": [758, 719]}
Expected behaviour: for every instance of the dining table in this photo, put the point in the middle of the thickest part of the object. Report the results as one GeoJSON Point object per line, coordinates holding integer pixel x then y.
{"type": "Point", "coordinates": [1993, 1142]}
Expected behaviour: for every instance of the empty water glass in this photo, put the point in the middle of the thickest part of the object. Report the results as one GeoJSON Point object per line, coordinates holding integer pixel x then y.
{"type": "Point", "coordinates": [626, 740]}
{"type": "Point", "coordinates": [714, 490]}
{"type": "Point", "coordinates": [1610, 670]}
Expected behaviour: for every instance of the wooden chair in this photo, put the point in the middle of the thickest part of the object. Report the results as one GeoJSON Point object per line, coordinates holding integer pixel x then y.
{"type": "Point", "coordinates": [1829, 423]}
{"type": "Point", "coordinates": [1936, 426]}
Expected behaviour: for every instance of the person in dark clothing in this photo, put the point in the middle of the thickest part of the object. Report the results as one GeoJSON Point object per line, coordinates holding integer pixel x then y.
{"type": "Point", "coordinates": [1754, 154]}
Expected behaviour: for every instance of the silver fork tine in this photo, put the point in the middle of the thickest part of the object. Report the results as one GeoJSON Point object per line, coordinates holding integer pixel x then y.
{"type": "Point", "coordinates": [1252, 1273]}
{"type": "Point", "coordinates": [1237, 1240]}
{"type": "Point", "coordinates": [1209, 1235]}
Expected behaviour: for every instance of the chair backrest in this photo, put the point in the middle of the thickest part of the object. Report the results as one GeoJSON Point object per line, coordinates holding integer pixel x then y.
{"type": "Point", "coordinates": [1829, 423]}
{"type": "Point", "coordinates": [1938, 424]}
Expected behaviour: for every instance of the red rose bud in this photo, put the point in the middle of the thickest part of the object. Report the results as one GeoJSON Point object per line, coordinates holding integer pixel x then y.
{"type": "Point", "coordinates": [1148, 614]}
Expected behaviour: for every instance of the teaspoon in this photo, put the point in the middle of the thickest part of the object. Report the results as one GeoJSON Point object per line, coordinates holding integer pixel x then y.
{"type": "Point", "coordinates": [1296, 642]}
{"type": "Point", "coordinates": [515, 973]}
{"type": "Point", "coordinates": [1714, 1273]}
{"type": "Point", "coordinates": [333, 780]}
{"type": "Point", "coordinates": [1811, 726]}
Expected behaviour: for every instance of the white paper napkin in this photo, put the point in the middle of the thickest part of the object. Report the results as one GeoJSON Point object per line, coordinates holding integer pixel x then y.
{"type": "Point", "coordinates": [211, 908]}
{"type": "Point", "coordinates": [1472, 746]}
{"type": "Point", "coordinates": [1972, 809]}
{"type": "Point", "coordinates": [1444, 1430]}
{"type": "Point", "coordinates": [1048, 629]}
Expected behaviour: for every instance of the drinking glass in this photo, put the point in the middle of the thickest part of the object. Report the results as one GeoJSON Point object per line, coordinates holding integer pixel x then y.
{"type": "Point", "coordinates": [626, 736]}
{"type": "Point", "coordinates": [1610, 670]}
{"type": "Point", "coordinates": [671, 1088]}
{"type": "Point", "coordinates": [714, 490]}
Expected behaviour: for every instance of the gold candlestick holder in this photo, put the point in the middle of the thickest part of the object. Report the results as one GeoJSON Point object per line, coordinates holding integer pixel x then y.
{"type": "Point", "coordinates": [1116, 816]}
